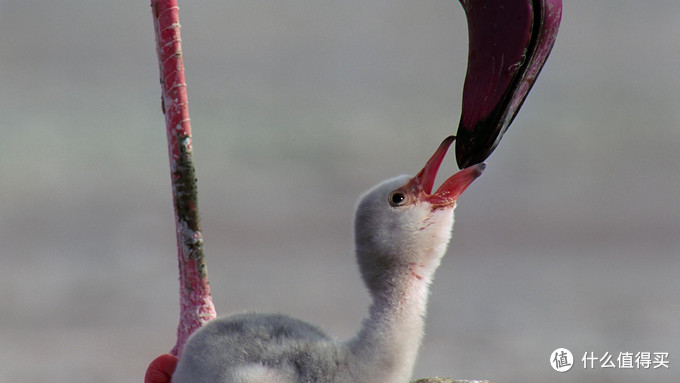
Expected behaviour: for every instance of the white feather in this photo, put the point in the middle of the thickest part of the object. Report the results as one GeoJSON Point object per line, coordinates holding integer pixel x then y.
{"type": "Point", "coordinates": [398, 250]}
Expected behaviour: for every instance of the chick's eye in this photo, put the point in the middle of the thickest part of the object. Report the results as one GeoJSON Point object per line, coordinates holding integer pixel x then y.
{"type": "Point", "coordinates": [397, 198]}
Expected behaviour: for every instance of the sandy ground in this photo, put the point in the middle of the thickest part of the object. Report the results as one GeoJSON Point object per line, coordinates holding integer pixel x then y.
{"type": "Point", "coordinates": [570, 239]}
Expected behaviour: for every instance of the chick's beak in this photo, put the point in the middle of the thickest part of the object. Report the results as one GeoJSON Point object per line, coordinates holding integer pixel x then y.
{"type": "Point", "coordinates": [446, 195]}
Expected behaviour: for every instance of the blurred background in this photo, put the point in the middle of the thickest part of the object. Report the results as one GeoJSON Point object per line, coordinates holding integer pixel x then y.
{"type": "Point", "coordinates": [571, 238]}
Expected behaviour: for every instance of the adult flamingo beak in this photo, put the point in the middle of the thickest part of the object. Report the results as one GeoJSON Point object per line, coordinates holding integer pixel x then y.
{"type": "Point", "coordinates": [509, 41]}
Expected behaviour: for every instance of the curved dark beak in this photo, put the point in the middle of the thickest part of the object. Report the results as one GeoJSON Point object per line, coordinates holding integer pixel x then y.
{"type": "Point", "coordinates": [510, 40]}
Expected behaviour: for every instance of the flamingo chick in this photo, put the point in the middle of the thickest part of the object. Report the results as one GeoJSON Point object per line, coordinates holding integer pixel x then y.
{"type": "Point", "coordinates": [402, 231]}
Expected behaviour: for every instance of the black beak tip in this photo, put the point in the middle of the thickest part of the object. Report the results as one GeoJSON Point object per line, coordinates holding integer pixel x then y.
{"type": "Point", "coordinates": [470, 150]}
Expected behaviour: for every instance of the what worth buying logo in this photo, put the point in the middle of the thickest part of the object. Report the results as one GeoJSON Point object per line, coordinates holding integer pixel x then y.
{"type": "Point", "coordinates": [562, 360]}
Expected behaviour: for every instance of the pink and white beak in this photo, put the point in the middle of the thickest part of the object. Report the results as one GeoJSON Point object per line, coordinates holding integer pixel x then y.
{"type": "Point", "coordinates": [509, 43]}
{"type": "Point", "coordinates": [420, 187]}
